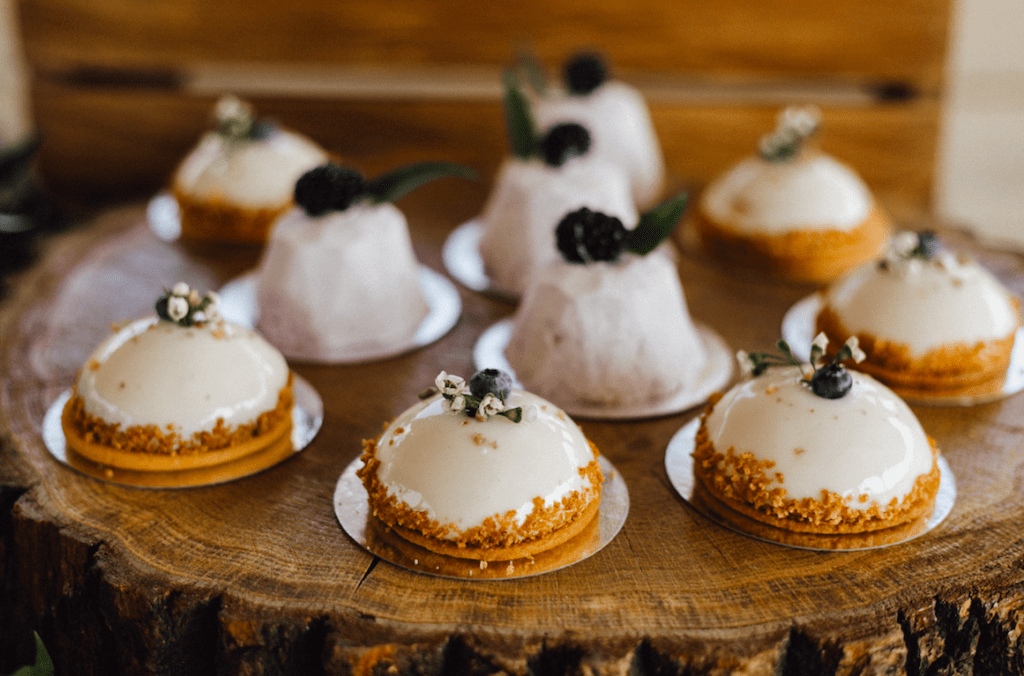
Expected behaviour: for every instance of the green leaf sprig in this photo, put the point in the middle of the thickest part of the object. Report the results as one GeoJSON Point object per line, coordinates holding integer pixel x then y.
{"type": "Point", "coordinates": [656, 224]}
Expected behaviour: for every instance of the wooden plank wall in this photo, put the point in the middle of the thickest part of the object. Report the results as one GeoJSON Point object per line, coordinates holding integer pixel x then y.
{"type": "Point", "coordinates": [121, 89]}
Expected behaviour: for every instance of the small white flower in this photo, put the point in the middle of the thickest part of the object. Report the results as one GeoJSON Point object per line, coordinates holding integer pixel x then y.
{"type": "Point", "coordinates": [856, 353]}
{"type": "Point", "coordinates": [803, 120]}
{"type": "Point", "coordinates": [456, 404]}
{"type": "Point", "coordinates": [489, 405]}
{"type": "Point", "coordinates": [904, 243]}
{"type": "Point", "coordinates": [447, 384]}
{"type": "Point", "coordinates": [745, 363]}
{"type": "Point", "coordinates": [177, 308]}
{"type": "Point", "coordinates": [231, 106]}
{"type": "Point", "coordinates": [820, 341]}
{"type": "Point", "coordinates": [180, 289]}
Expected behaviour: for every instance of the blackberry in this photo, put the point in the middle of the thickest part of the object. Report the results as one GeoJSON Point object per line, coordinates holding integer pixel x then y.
{"type": "Point", "coordinates": [927, 245]}
{"type": "Point", "coordinates": [328, 187]}
{"type": "Point", "coordinates": [564, 141]}
{"type": "Point", "coordinates": [584, 73]}
{"type": "Point", "coordinates": [831, 381]}
{"type": "Point", "coordinates": [491, 381]}
{"type": "Point", "coordinates": [584, 236]}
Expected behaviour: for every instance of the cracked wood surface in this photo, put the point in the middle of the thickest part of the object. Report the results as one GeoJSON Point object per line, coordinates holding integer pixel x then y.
{"type": "Point", "coordinates": [256, 576]}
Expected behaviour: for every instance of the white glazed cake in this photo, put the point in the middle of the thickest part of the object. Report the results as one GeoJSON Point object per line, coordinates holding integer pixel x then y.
{"type": "Point", "coordinates": [158, 395]}
{"type": "Point", "coordinates": [776, 452]}
{"type": "Point", "coordinates": [482, 486]}
{"type": "Point", "coordinates": [815, 191]}
{"type": "Point", "coordinates": [231, 187]}
{"type": "Point", "coordinates": [606, 334]}
{"type": "Point", "coordinates": [528, 200]}
{"type": "Point", "coordinates": [937, 323]}
{"type": "Point", "coordinates": [339, 285]}
{"type": "Point", "coordinates": [623, 133]}
{"type": "Point", "coordinates": [799, 214]}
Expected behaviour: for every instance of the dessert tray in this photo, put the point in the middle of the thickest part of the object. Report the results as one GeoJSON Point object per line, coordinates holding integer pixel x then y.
{"type": "Point", "coordinates": [461, 256]}
{"type": "Point", "coordinates": [238, 304]}
{"type": "Point", "coordinates": [798, 330]}
{"type": "Point", "coordinates": [679, 467]}
{"type": "Point", "coordinates": [351, 506]}
{"type": "Point", "coordinates": [489, 352]}
{"type": "Point", "coordinates": [307, 418]}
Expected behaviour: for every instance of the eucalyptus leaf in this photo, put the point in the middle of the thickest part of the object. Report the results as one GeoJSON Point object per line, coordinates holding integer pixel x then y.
{"type": "Point", "coordinates": [533, 72]}
{"type": "Point", "coordinates": [656, 225]}
{"type": "Point", "coordinates": [518, 119]}
{"type": "Point", "coordinates": [399, 182]}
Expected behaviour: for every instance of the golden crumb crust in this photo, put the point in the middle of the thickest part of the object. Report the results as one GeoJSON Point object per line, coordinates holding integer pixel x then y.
{"type": "Point", "coordinates": [215, 220]}
{"type": "Point", "coordinates": [807, 255]}
{"type": "Point", "coordinates": [498, 538]}
{"type": "Point", "coordinates": [951, 369]}
{"type": "Point", "coordinates": [150, 448]}
{"type": "Point", "coordinates": [744, 484]}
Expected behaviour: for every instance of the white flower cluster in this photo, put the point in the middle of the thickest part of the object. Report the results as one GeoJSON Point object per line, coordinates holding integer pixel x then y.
{"type": "Point", "coordinates": [821, 342]}
{"type": "Point", "coordinates": [234, 116]}
{"type": "Point", "coordinates": [186, 307]}
{"type": "Point", "coordinates": [755, 364]}
{"type": "Point", "coordinates": [458, 398]}
{"type": "Point", "coordinates": [795, 125]}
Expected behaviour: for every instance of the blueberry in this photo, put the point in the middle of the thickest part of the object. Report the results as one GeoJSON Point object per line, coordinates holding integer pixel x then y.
{"type": "Point", "coordinates": [564, 141]}
{"type": "Point", "coordinates": [584, 73]}
{"type": "Point", "coordinates": [261, 130]}
{"type": "Point", "coordinates": [583, 236]}
{"type": "Point", "coordinates": [491, 381]}
{"type": "Point", "coordinates": [927, 245]}
{"type": "Point", "coordinates": [328, 187]}
{"type": "Point", "coordinates": [831, 381]}
{"type": "Point", "coordinates": [161, 308]}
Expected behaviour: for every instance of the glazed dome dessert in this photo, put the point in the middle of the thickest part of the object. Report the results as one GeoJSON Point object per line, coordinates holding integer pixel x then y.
{"type": "Point", "coordinates": [791, 211]}
{"type": "Point", "coordinates": [239, 178]}
{"type": "Point", "coordinates": [543, 179]}
{"type": "Point", "coordinates": [607, 327]}
{"type": "Point", "coordinates": [815, 450]}
{"type": "Point", "coordinates": [933, 322]}
{"type": "Point", "coordinates": [616, 115]}
{"type": "Point", "coordinates": [483, 471]}
{"type": "Point", "coordinates": [181, 391]}
{"type": "Point", "coordinates": [339, 279]}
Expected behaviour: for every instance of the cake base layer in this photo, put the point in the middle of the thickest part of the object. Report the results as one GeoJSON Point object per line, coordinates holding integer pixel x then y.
{"type": "Point", "coordinates": [829, 515]}
{"type": "Point", "coordinates": [507, 552]}
{"type": "Point", "coordinates": [952, 370]}
{"type": "Point", "coordinates": [216, 221]}
{"type": "Point", "coordinates": [277, 437]}
{"type": "Point", "coordinates": [810, 255]}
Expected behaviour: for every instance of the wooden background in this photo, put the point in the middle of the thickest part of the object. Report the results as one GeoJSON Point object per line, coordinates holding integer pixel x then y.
{"type": "Point", "coordinates": [121, 89]}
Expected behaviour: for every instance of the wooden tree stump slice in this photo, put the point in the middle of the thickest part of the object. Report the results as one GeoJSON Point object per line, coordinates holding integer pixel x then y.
{"type": "Point", "coordinates": [257, 577]}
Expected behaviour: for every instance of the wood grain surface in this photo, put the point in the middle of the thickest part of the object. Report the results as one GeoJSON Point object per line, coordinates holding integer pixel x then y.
{"type": "Point", "coordinates": [257, 577]}
{"type": "Point", "coordinates": [120, 90]}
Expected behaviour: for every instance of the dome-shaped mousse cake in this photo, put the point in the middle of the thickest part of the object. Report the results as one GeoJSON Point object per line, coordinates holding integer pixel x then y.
{"type": "Point", "coordinates": [483, 471]}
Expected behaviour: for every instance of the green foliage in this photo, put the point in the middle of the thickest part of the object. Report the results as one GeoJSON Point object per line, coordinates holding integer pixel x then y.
{"type": "Point", "coordinates": [43, 665]}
